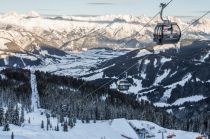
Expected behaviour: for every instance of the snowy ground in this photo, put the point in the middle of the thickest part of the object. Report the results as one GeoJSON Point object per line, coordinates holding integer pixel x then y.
{"type": "Point", "coordinates": [115, 129]}
{"type": "Point", "coordinates": [79, 63]}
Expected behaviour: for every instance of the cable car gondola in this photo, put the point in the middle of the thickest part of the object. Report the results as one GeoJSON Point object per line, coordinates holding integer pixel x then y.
{"type": "Point", "coordinates": [123, 85]}
{"type": "Point", "coordinates": [167, 32]}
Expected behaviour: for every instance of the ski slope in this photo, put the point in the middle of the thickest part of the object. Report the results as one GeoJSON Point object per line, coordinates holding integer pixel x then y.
{"type": "Point", "coordinates": [35, 94]}
{"type": "Point", "coordinates": [110, 129]}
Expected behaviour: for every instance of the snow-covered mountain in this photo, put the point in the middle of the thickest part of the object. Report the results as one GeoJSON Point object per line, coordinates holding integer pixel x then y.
{"type": "Point", "coordinates": [18, 32]}
{"type": "Point", "coordinates": [30, 39]}
{"type": "Point", "coordinates": [177, 80]}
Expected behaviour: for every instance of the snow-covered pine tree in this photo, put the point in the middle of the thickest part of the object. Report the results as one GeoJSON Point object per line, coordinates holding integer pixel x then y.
{"type": "Point", "coordinates": [9, 114]}
{"type": "Point", "coordinates": [1, 116]}
{"type": "Point", "coordinates": [65, 127]}
{"type": "Point", "coordinates": [22, 115]}
{"type": "Point", "coordinates": [15, 118]}
{"type": "Point", "coordinates": [6, 127]}
{"type": "Point", "coordinates": [71, 124]}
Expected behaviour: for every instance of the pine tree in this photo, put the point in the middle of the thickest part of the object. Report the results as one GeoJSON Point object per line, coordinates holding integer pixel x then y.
{"type": "Point", "coordinates": [61, 118]}
{"type": "Point", "coordinates": [71, 124]}
{"type": "Point", "coordinates": [87, 120]}
{"type": "Point", "coordinates": [6, 127]}
{"type": "Point", "coordinates": [12, 136]}
{"type": "Point", "coordinates": [47, 127]}
{"type": "Point", "coordinates": [57, 128]}
{"type": "Point", "coordinates": [65, 127]}
{"type": "Point", "coordinates": [1, 116]}
{"type": "Point", "coordinates": [48, 123]}
{"type": "Point", "coordinates": [15, 118]}
{"type": "Point", "coordinates": [9, 114]}
{"type": "Point", "coordinates": [29, 120]}
{"type": "Point", "coordinates": [74, 120]}
{"type": "Point", "coordinates": [42, 124]}
{"type": "Point", "coordinates": [22, 115]}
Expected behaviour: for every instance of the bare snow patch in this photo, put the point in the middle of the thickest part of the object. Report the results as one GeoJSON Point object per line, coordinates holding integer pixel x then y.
{"type": "Point", "coordinates": [163, 60]}
{"type": "Point", "coordinates": [161, 104]}
{"type": "Point", "coordinates": [142, 52]}
{"type": "Point", "coordinates": [195, 98]}
{"type": "Point", "coordinates": [95, 76]}
{"type": "Point", "coordinates": [136, 87]}
{"type": "Point", "coordinates": [161, 77]}
{"type": "Point", "coordinates": [167, 93]}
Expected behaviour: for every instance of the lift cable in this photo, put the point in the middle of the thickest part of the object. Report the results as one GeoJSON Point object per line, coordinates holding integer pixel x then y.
{"type": "Point", "coordinates": [185, 29]}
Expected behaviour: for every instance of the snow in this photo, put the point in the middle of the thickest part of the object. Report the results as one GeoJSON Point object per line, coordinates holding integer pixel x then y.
{"type": "Point", "coordinates": [6, 60]}
{"type": "Point", "coordinates": [136, 87]}
{"type": "Point", "coordinates": [155, 63]}
{"type": "Point", "coordinates": [167, 93]}
{"type": "Point", "coordinates": [164, 47]}
{"type": "Point", "coordinates": [78, 64]}
{"type": "Point", "coordinates": [161, 77]}
{"type": "Point", "coordinates": [164, 60]}
{"type": "Point", "coordinates": [205, 57]}
{"type": "Point", "coordinates": [195, 98]}
{"type": "Point", "coordinates": [146, 61]}
{"type": "Point", "coordinates": [143, 98]}
{"type": "Point", "coordinates": [153, 129]}
{"type": "Point", "coordinates": [115, 129]}
{"type": "Point", "coordinates": [122, 127]}
{"type": "Point", "coordinates": [142, 53]}
{"type": "Point", "coordinates": [181, 101]}
{"type": "Point", "coordinates": [161, 104]}
{"type": "Point", "coordinates": [2, 77]}
{"type": "Point", "coordinates": [95, 76]}
{"type": "Point", "coordinates": [115, 27]}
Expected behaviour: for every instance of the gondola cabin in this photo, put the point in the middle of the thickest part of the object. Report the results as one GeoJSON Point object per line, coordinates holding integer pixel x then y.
{"type": "Point", "coordinates": [123, 85]}
{"type": "Point", "coordinates": [167, 33]}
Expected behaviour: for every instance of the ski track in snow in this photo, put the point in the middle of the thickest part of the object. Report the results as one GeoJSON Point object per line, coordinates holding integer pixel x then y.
{"type": "Point", "coordinates": [35, 95]}
{"type": "Point", "coordinates": [195, 98]}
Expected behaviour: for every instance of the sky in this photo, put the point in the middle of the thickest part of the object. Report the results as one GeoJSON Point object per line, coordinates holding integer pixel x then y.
{"type": "Point", "coordinates": [102, 7]}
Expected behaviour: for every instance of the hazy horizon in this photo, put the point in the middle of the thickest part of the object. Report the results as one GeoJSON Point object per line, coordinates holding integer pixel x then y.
{"type": "Point", "coordinates": [104, 7]}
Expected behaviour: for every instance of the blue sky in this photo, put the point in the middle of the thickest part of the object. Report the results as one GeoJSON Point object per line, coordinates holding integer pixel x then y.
{"type": "Point", "coordinates": [101, 7]}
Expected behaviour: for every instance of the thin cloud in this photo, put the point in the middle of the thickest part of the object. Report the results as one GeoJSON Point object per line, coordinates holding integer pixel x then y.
{"type": "Point", "coordinates": [101, 3]}
{"type": "Point", "coordinates": [200, 11]}
{"type": "Point", "coordinates": [49, 10]}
